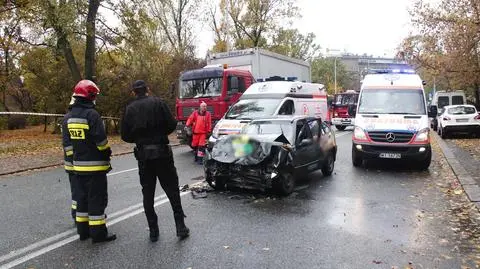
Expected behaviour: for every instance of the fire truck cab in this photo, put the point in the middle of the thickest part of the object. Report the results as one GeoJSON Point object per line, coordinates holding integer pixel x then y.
{"type": "Point", "coordinates": [217, 86]}
{"type": "Point", "coordinates": [340, 106]}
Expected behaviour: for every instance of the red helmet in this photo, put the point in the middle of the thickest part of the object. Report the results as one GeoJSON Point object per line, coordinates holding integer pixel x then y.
{"type": "Point", "coordinates": [87, 89]}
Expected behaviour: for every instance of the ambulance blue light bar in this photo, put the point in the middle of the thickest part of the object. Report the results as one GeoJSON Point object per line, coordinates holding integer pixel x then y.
{"type": "Point", "coordinates": [277, 78]}
{"type": "Point", "coordinates": [391, 71]}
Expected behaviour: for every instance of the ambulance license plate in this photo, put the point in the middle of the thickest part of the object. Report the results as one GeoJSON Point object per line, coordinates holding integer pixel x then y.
{"type": "Point", "coordinates": [390, 155]}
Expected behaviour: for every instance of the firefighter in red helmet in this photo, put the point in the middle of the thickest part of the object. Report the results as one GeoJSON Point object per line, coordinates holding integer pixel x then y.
{"type": "Point", "coordinates": [91, 162]}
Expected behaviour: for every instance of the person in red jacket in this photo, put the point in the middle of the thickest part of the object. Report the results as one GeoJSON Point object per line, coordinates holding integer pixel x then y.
{"type": "Point", "coordinates": [201, 123]}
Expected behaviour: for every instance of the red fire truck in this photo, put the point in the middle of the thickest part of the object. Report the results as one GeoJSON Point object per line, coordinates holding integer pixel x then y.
{"type": "Point", "coordinates": [339, 109]}
{"type": "Point", "coordinates": [218, 87]}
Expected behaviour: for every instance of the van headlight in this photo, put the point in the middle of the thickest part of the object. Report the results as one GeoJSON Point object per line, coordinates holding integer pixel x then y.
{"type": "Point", "coordinates": [216, 131]}
{"type": "Point", "coordinates": [423, 136]}
{"type": "Point", "coordinates": [359, 134]}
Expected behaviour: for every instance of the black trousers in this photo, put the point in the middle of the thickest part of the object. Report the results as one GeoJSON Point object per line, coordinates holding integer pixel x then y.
{"type": "Point", "coordinates": [91, 192]}
{"type": "Point", "coordinates": [73, 182]}
{"type": "Point", "coordinates": [164, 169]}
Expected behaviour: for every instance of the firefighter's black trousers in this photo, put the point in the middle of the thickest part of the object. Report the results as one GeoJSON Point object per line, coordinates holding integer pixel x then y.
{"type": "Point", "coordinates": [164, 169]}
{"type": "Point", "coordinates": [73, 182]}
{"type": "Point", "coordinates": [91, 192]}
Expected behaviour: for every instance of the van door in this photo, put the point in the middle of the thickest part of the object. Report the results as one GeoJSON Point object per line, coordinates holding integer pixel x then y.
{"type": "Point", "coordinates": [443, 101]}
{"type": "Point", "coordinates": [458, 100]}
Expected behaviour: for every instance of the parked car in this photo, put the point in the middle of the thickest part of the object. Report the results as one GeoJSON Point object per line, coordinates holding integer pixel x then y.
{"type": "Point", "coordinates": [272, 154]}
{"type": "Point", "coordinates": [458, 119]}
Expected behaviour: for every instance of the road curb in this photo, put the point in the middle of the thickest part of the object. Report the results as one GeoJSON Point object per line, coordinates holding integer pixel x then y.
{"type": "Point", "coordinates": [61, 163]}
{"type": "Point", "coordinates": [471, 188]}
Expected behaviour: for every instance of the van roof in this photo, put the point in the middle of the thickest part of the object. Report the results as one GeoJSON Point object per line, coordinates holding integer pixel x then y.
{"type": "Point", "coordinates": [392, 81]}
{"type": "Point", "coordinates": [284, 89]}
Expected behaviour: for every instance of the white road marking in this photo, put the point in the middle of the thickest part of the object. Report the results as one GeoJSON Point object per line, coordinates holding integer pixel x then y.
{"type": "Point", "coordinates": [121, 172]}
{"type": "Point", "coordinates": [54, 238]}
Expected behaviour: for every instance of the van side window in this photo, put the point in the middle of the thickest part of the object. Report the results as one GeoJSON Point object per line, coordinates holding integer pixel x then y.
{"type": "Point", "coordinates": [288, 108]}
{"type": "Point", "coordinates": [443, 101]}
{"type": "Point", "coordinates": [457, 100]}
{"type": "Point", "coordinates": [303, 131]}
{"type": "Point", "coordinates": [314, 129]}
{"type": "Point", "coordinates": [236, 85]}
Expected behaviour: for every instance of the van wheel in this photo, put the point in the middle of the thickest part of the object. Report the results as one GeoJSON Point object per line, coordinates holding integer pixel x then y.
{"type": "Point", "coordinates": [329, 165]}
{"type": "Point", "coordinates": [285, 184]}
{"type": "Point", "coordinates": [340, 127]}
{"type": "Point", "coordinates": [356, 158]}
{"type": "Point", "coordinates": [423, 165]}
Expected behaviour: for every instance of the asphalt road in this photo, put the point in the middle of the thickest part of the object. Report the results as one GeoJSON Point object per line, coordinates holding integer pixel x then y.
{"type": "Point", "coordinates": [378, 217]}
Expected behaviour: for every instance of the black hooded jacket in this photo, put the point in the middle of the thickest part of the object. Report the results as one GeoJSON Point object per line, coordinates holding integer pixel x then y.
{"type": "Point", "coordinates": [147, 121]}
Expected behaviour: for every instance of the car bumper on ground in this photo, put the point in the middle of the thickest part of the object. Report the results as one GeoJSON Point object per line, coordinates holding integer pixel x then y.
{"type": "Point", "coordinates": [471, 128]}
{"type": "Point", "coordinates": [393, 152]}
{"type": "Point", "coordinates": [343, 121]}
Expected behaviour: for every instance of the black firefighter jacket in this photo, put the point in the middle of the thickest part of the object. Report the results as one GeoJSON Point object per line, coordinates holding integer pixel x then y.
{"type": "Point", "coordinates": [87, 138]}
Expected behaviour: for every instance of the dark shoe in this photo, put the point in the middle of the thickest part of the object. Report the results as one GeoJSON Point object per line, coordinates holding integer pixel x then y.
{"type": "Point", "coordinates": [154, 234]}
{"type": "Point", "coordinates": [182, 230]}
{"type": "Point", "coordinates": [107, 238]}
{"type": "Point", "coordinates": [84, 237]}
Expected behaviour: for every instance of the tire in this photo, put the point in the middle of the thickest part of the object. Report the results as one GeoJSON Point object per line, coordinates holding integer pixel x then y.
{"type": "Point", "coordinates": [423, 165]}
{"type": "Point", "coordinates": [340, 127]}
{"type": "Point", "coordinates": [329, 165]}
{"type": "Point", "coordinates": [357, 160]}
{"type": "Point", "coordinates": [285, 184]}
{"type": "Point", "coordinates": [443, 133]}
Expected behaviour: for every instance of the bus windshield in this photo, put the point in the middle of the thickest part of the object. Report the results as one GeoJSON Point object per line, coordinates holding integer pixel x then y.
{"type": "Point", "coordinates": [392, 101]}
{"type": "Point", "coordinates": [204, 87]}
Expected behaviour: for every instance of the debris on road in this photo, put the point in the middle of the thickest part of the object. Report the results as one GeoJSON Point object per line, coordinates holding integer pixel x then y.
{"type": "Point", "coordinates": [199, 190]}
{"type": "Point", "coordinates": [377, 262]}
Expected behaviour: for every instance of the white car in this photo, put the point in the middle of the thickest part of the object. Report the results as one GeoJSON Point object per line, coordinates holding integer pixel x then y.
{"type": "Point", "coordinates": [458, 119]}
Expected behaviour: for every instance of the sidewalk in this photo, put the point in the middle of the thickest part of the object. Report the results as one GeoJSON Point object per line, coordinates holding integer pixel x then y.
{"type": "Point", "coordinates": [17, 162]}
{"type": "Point", "coordinates": [465, 164]}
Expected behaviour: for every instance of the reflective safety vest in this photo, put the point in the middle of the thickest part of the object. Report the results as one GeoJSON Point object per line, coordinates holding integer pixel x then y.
{"type": "Point", "coordinates": [85, 135]}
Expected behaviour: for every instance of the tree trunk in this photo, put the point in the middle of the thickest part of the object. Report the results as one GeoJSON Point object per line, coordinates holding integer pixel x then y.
{"type": "Point", "coordinates": [5, 83]}
{"type": "Point", "coordinates": [64, 44]}
{"type": "Point", "coordinates": [90, 44]}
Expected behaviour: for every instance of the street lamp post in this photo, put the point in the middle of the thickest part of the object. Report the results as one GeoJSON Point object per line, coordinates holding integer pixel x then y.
{"type": "Point", "coordinates": [335, 74]}
{"type": "Point", "coordinates": [335, 66]}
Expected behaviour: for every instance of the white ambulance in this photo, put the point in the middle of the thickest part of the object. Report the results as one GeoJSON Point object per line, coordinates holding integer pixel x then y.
{"type": "Point", "coordinates": [391, 120]}
{"type": "Point", "coordinates": [272, 98]}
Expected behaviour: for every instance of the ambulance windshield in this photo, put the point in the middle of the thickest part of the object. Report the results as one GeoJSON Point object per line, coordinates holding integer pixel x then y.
{"type": "Point", "coordinates": [392, 101]}
{"type": "Point", "coordinates": [248, 109]}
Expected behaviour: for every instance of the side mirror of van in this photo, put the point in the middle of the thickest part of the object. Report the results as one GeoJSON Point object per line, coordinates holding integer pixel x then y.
{"type": "Point", "coordinates": [424, 82]}
{"type": "Point", "coordinates": [432, 111]}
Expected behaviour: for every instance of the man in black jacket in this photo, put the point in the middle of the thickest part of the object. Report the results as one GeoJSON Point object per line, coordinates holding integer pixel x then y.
{"type": "Point", "coordinates": [147, 122]}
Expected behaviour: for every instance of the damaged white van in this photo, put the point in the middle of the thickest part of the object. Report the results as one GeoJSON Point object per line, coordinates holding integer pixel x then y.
{"type": "Point", "coordinates": [391, 120]}
{"type": "Point", "coordinates": [270, 99]}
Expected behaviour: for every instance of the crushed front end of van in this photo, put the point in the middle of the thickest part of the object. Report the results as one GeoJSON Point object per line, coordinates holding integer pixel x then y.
{"type": "Point", "coordinates": [258, 162]}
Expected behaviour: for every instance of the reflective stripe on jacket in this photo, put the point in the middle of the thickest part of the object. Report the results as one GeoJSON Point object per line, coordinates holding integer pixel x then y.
{"type": "Point", "coordinates": [201, 124]}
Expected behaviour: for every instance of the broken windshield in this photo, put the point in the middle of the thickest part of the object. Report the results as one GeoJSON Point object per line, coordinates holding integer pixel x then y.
{"type": "Point", "coordinates": [205, 87]}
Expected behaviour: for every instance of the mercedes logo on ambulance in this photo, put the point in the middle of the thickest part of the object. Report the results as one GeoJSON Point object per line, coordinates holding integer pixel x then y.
{"type": "Point", "coordinates": [390, 137]}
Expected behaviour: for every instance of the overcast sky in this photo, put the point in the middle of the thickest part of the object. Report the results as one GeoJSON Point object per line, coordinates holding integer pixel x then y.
{"type": "Point", "coordinates": [375, 27]}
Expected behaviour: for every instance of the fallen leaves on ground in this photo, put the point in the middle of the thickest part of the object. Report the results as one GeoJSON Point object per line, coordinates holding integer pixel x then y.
{"type": "Point", "coordinates": [472, 146]}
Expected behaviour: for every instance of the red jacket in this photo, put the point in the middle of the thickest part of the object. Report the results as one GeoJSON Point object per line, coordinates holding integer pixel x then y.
{"type": "Point", "coordinates": [201, 124]}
